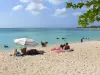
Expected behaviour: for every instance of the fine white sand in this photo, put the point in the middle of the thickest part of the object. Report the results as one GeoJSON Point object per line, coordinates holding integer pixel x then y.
{"type": "Point", "coordinates": [84, 60]}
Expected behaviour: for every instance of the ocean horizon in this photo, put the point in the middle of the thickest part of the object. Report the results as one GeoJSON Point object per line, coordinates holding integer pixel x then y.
{"type": "Point", "coordinates": [72, 35]}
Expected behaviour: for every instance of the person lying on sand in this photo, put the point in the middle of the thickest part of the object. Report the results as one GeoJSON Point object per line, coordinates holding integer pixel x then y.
{"type": "Point", "coordinates": [34, 52]}
{"type": "Point", "coordinates": [44, 44]}
{"type": "Point", "coordinates": [26, 52]}
{"type": "Point", "coordinates": [31, 51]}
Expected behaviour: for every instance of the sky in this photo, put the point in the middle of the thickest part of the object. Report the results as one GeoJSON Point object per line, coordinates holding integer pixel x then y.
{"type": "Point", "coordinates": [38, 13]}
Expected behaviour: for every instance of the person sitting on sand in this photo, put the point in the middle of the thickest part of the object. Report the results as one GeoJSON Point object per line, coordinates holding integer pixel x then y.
{"type": "Point", "coordinates": [16, 53]}
{"type": "Point", "coordinates": [44, 44]}
{"type": "Point", "coordinates": [67, 47]}
{"type": "Point", "coordinates": [23, 51]}
{"type": "Point", "coordinates": [62, 45]}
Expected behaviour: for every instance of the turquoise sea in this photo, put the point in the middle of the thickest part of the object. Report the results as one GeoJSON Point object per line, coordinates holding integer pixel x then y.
{"type": "Point", "coordinates": [7, 35]}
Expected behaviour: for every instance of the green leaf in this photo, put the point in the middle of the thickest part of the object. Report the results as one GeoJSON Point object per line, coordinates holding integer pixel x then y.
{"type": "Point", "coordinates": [69, 5]}
{"type": "Point", "coordinates": [91, 15]}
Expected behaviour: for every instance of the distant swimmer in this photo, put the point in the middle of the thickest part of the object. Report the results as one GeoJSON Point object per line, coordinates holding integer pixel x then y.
{"type": "Point", "coordinates": [87, 38]}
{"type": "Point", "coordinates": [5, 46]}
{"type": "Point", "coordinates": [63, 38]}
{"type": "Point", "coordinates": [82, 40]}
{"type": "Point", "coordinates": [57, 38]}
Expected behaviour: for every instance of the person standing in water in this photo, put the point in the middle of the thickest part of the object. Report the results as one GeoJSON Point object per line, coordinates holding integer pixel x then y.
{"type": "Point", "coordinates": [82, 39]}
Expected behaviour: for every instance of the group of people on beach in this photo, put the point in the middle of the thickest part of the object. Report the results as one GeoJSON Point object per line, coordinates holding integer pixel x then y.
{"type": "Point", "coordinates": [66, 46]}
{"type": "Point", "coordinates": [62, 48]}
{"type": "Point", "coordinates": [43, 44]}
{"type": "Point", "coordinates": [24, 51]}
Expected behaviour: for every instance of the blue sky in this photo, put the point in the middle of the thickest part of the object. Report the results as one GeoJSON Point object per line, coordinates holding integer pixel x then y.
{"type": "Point", "coordinates": [38, 13]}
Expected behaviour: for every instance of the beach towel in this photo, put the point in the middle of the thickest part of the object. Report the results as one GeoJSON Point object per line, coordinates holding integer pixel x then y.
{"type": "Point", "coordinates": [55, 48]}
{"type": "Point", "coordinates": [58, 50]}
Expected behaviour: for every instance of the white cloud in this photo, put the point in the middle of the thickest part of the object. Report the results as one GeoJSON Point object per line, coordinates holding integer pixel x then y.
{"type": "Point", "coordinates": [36, 1]}
{"type": "Point", "coordinates": [35, 8]}
{"type": "Point", "coordinates": [24, 1]}
{"type": "Point", "coordinates": [60, 12]}
{"type": "Point", "coordinates": [18, 7]}
{"type": "Point", "coordinates": [77, 13]}
{"type": "Point", "coordinates": [57, 2]}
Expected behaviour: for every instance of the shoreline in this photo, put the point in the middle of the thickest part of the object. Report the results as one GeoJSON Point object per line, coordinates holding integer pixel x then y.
{"type": "Point", "coordinates": [50, 45]}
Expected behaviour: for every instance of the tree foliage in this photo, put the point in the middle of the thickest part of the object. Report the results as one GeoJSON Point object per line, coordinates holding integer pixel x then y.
{"type": "Point", "coordinates": [91, 15]}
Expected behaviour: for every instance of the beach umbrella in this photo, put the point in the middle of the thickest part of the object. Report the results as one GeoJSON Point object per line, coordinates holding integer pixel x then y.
{"type": "Point", "coordinates": [27, 42]}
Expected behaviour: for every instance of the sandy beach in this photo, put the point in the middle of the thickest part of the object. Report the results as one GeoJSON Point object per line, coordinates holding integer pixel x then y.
{"type": "Point", "coordinates": [84, 60]}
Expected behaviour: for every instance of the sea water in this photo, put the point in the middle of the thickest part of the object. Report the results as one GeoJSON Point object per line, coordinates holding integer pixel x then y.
{"type": "Point", "coordinates": [7, 35]}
